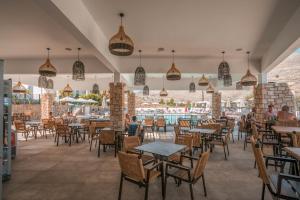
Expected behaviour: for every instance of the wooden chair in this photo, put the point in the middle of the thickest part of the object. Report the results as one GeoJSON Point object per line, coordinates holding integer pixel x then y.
{"type": "Point", "coordinates": [63, 131]}
{"type": "Point", "coordinates": [129, 143]}
{"type": "Point", "coordinates": [149, 127]}
{"type": "Point", "coordinates": [183, 123]}
{"type": "Point", "coordinates": [220, 140]}
{"type": "Point", "coordinates": [21, 128]}
{"type": "Point", "coordinates": [296, 139]}
{"type": "Point", "coordinates": [280, 185]}
{"type": "Point", "coordinates": [48, 126]}
{"type": "Point", "coordinates": [188, 151]}
{"type": "Point", "coordinates": [107, 137]}
{"type": "Point", "coordinates": [242, 129]}
{"type": "Point", "coordinates": [133, 170]}
{"type": "Point", "coordinates": [93, 135]}
{"type": "Point", "coordinates": [161, 123]}
{"type": "Point", "coordinates": [186, 174]}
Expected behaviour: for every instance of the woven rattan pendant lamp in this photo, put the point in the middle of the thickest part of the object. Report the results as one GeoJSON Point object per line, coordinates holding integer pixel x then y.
{"type": "Point", "coordinates": [224, 69]}
{"type": "Point", "coordinates": [210, 89]}
{"type": "Point", "coordinates": [192, 86]}
{"type": "Point", "coordinates": [47, 69]}
{"type": "Point", "coordinates": [19, 88]}
{"type": "Point", "coordinates": [42, 82]}
{"type": "Point", "coordinates": [163, 92]}
{"type": "Point", "coordinates": [146, 90]}
{"type": "Point", "coordinates": [95, 88]}
{"type": "Point", "coordinates": [50, 84]}
{"type": "Point", "coordinates": [140, 73]}
{"type": "Point", "coordinates": [121, 44]}
{"type": "Point", "coordinates": [78, 69]}
{"type": "Point", "coordinates": [203, 81]}
{"type": "Point", "coordinates": [249, 79]}
{"type": "Point", "coordinates": [173, 73]}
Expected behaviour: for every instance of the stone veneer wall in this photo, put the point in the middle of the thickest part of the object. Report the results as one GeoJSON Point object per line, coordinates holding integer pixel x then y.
{"type": "Point", "coordinates": [131, 103]}
{"type": "Point", "coordinates": [117, 104]}
{"type": "Point", "coordinates": [216, 105]}
{"type": "Point", "coordinates": [47, 100]}
{"type": "Point", "coordinates": [277, 94]}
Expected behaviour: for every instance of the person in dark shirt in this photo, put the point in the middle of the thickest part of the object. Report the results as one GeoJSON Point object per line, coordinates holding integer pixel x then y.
{"type": "Point", "coordinates": [133, 127]}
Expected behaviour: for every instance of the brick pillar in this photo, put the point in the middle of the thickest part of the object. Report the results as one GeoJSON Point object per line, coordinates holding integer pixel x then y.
{"type": "Point", "coordinates": [216, 105]}
{"type": "Point", "coordinates": [277, 94]}
{"type": "Point", "coordinates": [131, 103]}
{"type": "Point", "coordinates": [47, 100]}
{"type": "Point", "coordinates": [117, 98]}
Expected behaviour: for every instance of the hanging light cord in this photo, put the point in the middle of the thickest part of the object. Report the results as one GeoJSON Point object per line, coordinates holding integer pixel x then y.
{"type": "Point", "coordinates": [78, 53]}
{"type": "Point", "coordinates": [173, 51]}
{"type": "Point", "coordinates": [248, 52]}
{"type": "Point", "coordinates": [121, 16]}
{"type": "Point", "coordinates": [140, 51]}
{"type": "Point", "coordinates": [223, 52]}
{"type": "Point", "coordinates": [48, 49]}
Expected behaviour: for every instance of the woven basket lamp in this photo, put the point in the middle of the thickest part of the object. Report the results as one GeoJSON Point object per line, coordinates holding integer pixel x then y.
{"type": "Point", "coordinates": [50, 84]}
{"type": "Point", "coordinates": [163, 92]}
{"type": "Point", "coordinates": [227, 81]}
{"type": "Point", "coordinates": [249, 79]}
{"type": "Point", "coordinates": [192, 86]}
{"type": "Point", "coordinates": [203, 81]}
{"type": "Point", "coordinates": [210, 89]}
{"type": "Point", "coordinates": [121, 44]}
{"type": "Point", "coordinates": [173, 73]}
{"type": "Point", "coordinates": [238, 85]}
{"type": "Point", "coordinates": [67, 91]}
{"type": "Point", "coordinates": [19, 88]}
{"type": "Point", "coordinates": [224, 69]}
{"type": "Point", "coordinates": [42, 82]}
{"type": "Point", "coordinates": [146, 90]}
{"type": "Point", "coordinates": [47, 69]}
{"type": "Point", "coordinates": [78, 69]}
{"type": "Point", "coordinates": [140, 73]}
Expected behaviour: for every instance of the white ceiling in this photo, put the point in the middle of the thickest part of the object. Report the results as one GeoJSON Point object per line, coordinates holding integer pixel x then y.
{"type": "Point", "coordinates": [194, 27]}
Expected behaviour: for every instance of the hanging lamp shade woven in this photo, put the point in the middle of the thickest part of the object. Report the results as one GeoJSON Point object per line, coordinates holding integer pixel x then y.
{"type": "Point", "coordinates": [163, 93]}
{"type": "Point", "coordinates": [42, 82]}
{"type": "Point", "coordinates": [146, 90]}
{"type": "Point", "coordinates": [95, 89]}
{"type": "Point", "coordinates": [173, 73]}
{"type": "Point", "coordinates": [192, 87]}
{"type": "Point", "coordinates": [67, 91]}
{"type": "Point", "coordinates": [238, 85]}
{"type": "Point", "coordinates": [224, 69]}
{"type": "Point", "coordinates": [19, 88]}
{"type": "Point", "coordinates": [50, 84]}
{"type": "Point", "coordinates": [203, 81]}
{"type": "Point", "coordinates": [249, 79]}
{"type": "Point", "coordinates": [47, 69]}
{"type": "Point", "coordinates": [78, 69]}
{"type": "Point", "coordinates": [140, 73]}
{"type": "Point", "coordinates": [227, 80]}
{"type": "Point", "coordinates": [210, 89]}
{"type": "Point", "coordinates": [121, 44]}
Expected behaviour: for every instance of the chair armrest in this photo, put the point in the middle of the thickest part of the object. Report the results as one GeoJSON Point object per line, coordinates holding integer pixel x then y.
{"type": "Point", "coordinates": [190, 157]}
{"type": "Point", "coordinates": [288, 178]}
{"type": "Point", "coordinates": [159, 164]}
{"type": "Point", "coordinates": [276, 158]}
{"type": "Point", "coordinates": [178, 166]}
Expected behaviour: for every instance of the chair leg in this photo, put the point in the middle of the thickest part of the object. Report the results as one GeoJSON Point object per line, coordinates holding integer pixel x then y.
{"type": "Point", "coordinates": [227, 149]}
{"type": "Point", "coordinates": [99, 149]}
{"type": "Point", "coordinates": [146, 191]}
{"type": "Point", "coordinates": [224, 152]}
{"type": "Point", "coordinates": [204, 187]}
{"type": "Point", "coordinates": [91, 143]}
{"type": "Point", "coordinates": [70, 141]}
{"type": "Point", "coordinates": [120, 188]}
{"type": "Point", "coordinates": [263, 192]}
{"type": "Point", "coordinates": [165, 187]}
{"type": "Point", "coordinates": [57, 140]}
{"type": "Point", "coordinates": [191, 191]}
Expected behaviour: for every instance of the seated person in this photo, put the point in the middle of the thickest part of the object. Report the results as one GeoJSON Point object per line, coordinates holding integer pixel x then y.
{"type": "Point", "coordinates": [285, 115]}
{"type": "Point", "coordinates": [133, 127]}
{"type": "Point", "coordinates": [127, 121]}
{"type": "Point", "coordinates": [270, 117]}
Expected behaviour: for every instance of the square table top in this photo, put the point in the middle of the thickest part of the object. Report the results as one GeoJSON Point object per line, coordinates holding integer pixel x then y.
{"type": "Point", "coordinates": [293, 151]}
{"type": "Point", "coordinates": [75, 125]}
{"type": "Point", "coordinates": [161, 148]}
{"type": "Point", "coordinates": [202, 130]}
{"type": "Point", "coordinates": [286, 129]}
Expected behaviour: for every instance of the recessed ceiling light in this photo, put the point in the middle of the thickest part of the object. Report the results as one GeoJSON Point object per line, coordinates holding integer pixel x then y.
{"type": "Point", "coordinates": [239, 49]}
{"type": "Point", "coordinates": [68, 49]}
{"type": "Point", "coordinates": [160, 49]}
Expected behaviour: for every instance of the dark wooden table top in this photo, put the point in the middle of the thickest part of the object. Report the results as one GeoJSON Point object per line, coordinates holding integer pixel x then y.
{"type": "Point", "coordinates": [161, 148]}
{"type": "Point", "coordinates": [286, 129]}
{"type": "Point", "coordinates": [293, 151]}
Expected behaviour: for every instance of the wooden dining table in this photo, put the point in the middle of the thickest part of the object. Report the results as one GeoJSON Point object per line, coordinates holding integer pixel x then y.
{"type": "Point", "coordinates": [293, 151]}
{"type": "Point", "coordinates": [286, 129]}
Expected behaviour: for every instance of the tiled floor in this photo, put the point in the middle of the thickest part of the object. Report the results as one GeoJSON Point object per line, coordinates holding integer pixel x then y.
{"type": "Point", "coordinates": [44, 171]}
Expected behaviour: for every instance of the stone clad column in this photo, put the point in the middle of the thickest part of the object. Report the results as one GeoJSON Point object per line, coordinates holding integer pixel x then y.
{"type": "Point", "coordinates": [47, 100]}
{"type": "Point", "coordinates": [216, 105]}
{"type": "Point", "coordinates": [117, 104]}
{"type": "Point", "coordinates": [277, 94]}
{"type": "Point", "coordinates": [131, 103]}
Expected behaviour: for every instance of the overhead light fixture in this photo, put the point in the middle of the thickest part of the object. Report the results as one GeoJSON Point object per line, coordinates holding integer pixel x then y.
{"type": "Point", "coordinates": [140, 73]}
{"type": "Point", "coordinates": [50, 84]}
{"type": "Point", "coordinates": [42, 82]}
{"type": "Point", "coordinates": [67, 91]}
{"type": "Point", "coordinates": [146, 90]}
{"type": "Point", "coordinates": [173, 73]}
{"type": "Point", "coordinates": [95, 89]}
{"type": "Point", "coordinates": [224, 69]}
{"type": "Point", "coordinates": [47, 69]}
{"type": "Point", "coordinates": [238, 85]}
{"type": "Point", "coordinates": [121, 44]}
{"type": "Point", "coordinates": [249, 79]}
{"type": "Point", "coordinates": [163, 92]}
{"type": "Point", "coordinates": [19, 88]}
{"type": "Point", "coordinates": [192, 86]}
{"type": "Point", "coordinates": [227, 80]}
{"type": "Point", "coordinates": [210, 89]}
{"type": "Point", "coordinates": [203, 81]}
{"type": "Point", "coordinates": [78, 69]}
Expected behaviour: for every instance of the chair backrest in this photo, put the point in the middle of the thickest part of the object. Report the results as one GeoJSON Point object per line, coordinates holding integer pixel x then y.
{"type": "Point", "coordinates": [107, 137]}
{"type": "Point", "coordinates": [197, 140]}
{"type": "Point", "coordinates": [102, 124]}
{"type": "Point", "coordinates": [184, 123]}
{"type": "Point", "coordinates": [20, 125]}
{"type": "Point", "coordinates": [177, 131]}
{"type": "Point", "coordinates": [293, 123]}
{"type": "Point", "coordinates": [131, 166]}
{"type": "Point", "coordinates": [199, 169]}
{"type": "Point", "coordinates": [149, 122]}
{"type": "Point", "coordinates": [186, 140]}
{"type": "Point", "coordinates": [130, 142]}
{"type": "Point", "coordinates": [260, 161]}
{"type": "Point", "coordinates": [242, 125]}
{"type": "Point", "coordinates": [61, 129]}
{"type": "Point", "coordinates": [296, 139]}
{"type": "Point", "coordinates": [216, 126]}
{"type": "Point", "coordinates": [160, 122]}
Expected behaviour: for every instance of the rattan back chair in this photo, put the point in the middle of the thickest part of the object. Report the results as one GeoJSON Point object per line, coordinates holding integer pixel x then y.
{"type": "Point", "coordinates": [281, 186]}
{"type": "Point", "coordinates": [133, 170]}
{"type": "Point", "coordinates": [63, 131]}
{"type": "Point", "coordinates": [187, 153]}
{"type": "Point", "coordinates": [191, 176]}
{"type": "Point", "coordinates": [296, 139]}
{"type": "Point", "coordinates": [21, 128]}
{"type": "Point", "coordinates": [161, 123]}
{"type": "Point", "coordinates": [107, 138]}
